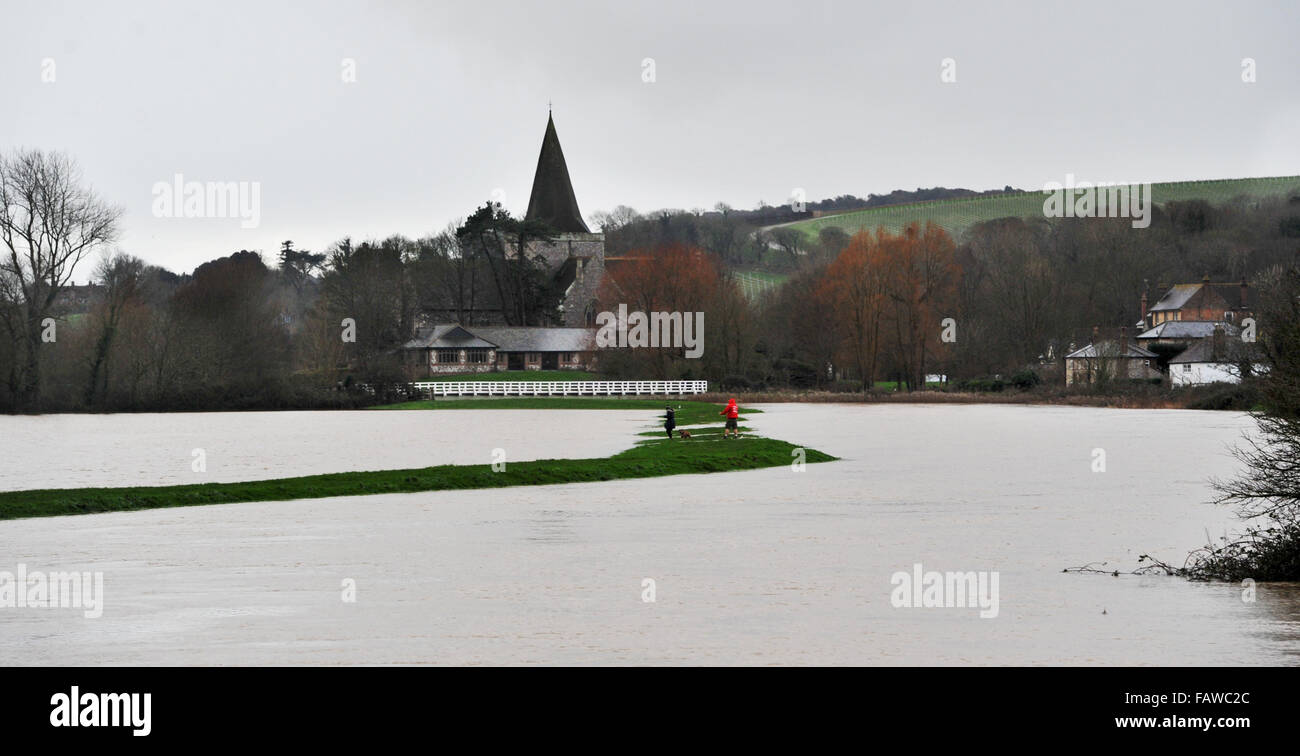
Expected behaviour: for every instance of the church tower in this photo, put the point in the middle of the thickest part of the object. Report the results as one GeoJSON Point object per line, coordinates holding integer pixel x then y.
{"type": "Point", "coordinates": [576, 258]}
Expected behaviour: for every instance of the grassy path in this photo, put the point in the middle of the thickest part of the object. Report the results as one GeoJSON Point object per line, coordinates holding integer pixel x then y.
{"type": "Point", "coordinates": [648, 459]}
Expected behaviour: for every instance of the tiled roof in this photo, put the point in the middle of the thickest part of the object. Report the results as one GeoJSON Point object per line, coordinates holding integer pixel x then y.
{"type": "Point", "coordinates": [1187, 329]}
{"type": "Point", "coordinates": [1227, 350]}
{"type": "Point", "coordinates": [539, 339]}
{"type": "Point", "coordinates": [1176, 297]}
{"type": "Point", "coordinates": [1111, 349]}
{"type": "Point", "coordinates": [450, 336]}
{"type": "Point", "coordinates": [505, 338]}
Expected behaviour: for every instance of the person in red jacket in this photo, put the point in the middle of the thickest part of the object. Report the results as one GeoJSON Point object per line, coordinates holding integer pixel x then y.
{"type": "Point", "coordinates": [732, 413]}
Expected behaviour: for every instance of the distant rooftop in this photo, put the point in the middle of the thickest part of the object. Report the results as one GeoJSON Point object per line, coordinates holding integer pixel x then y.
{"type": "Point", "coordinates": [1187, 329]}
{"type": "Point", "coordinates": [1179, 294]}
{"type": "Point", "coordinates": [1111, 349]}
{"type": "Point", "coordinates": [1230, 350]}
{"type": "Point", "coordinates": [505, 338]}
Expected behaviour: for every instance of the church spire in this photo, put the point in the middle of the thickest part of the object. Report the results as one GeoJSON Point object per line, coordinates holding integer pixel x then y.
{"type": "Point", "coordinates": [553, 200]}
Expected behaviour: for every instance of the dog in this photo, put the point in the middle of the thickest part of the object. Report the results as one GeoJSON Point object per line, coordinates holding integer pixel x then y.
{"type": "Point", "coordinates": [683, 433]}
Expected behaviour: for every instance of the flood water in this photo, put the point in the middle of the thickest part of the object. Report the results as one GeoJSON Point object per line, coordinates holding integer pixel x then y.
{"type": "Point", "coordinates": [72, 451]}
{"type": "Point", "coordinates": [763, 567]}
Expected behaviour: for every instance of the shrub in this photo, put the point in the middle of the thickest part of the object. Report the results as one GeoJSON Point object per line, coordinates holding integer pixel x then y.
{"type": "Point", "coordinates": [797, 374]}
{"type": "Point", "coordinates": [983, 385]}
{"type": "Point", "coordinates": [1224, 396]}
{"type": "Point", "coordinates": [1025, 380]}
{"type": "Point", "coordinates": [736, 383]}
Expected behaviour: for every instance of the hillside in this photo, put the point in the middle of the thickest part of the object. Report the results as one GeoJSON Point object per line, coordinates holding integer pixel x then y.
{"type": "Point", "coordinates": [956, 215]}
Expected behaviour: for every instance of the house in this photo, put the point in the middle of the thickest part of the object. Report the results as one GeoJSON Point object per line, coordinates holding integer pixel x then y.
{"type": "Point", "coordinates": [1111, 359]}
{"type": "Point", "coordinates": [1204, 301]}
{"type": "Point", "coordinates": [453, 348]}
{"type": "Point", "coordinates": [1177, 335]}
{"type": "Point", "coordinates": [75, 299]}
{"type": "Point", "coordinates": [1220, 358]}
{"type": "Point", "coordinates": [1172, 337]}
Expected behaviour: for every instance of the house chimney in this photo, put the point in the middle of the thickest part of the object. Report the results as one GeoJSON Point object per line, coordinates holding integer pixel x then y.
{"type": "Point", "coordinates": [1144, 308]}
{"type": "Point", "coordinates": [1123, 338]}
{"type": "Point", "coordinates": [1244, 294]}
{"type": "Point", "coordinates": [1095, 329]}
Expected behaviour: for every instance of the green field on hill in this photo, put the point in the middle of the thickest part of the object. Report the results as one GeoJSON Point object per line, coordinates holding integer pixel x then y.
{"type": "Point", "coordinates": [957, 215]}
{"type": "Point", "coordinates": [756, 283]}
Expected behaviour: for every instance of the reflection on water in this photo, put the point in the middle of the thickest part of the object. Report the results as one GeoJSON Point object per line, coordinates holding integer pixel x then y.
{"type": "Point", "coordinates": [761, 567]}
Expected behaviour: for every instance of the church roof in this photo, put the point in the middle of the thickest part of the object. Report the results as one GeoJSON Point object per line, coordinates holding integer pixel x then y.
{"type": "Point", "coordinates": [553, 200]}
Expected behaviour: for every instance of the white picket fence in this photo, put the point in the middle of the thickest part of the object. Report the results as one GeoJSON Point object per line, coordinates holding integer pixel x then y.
{"type": "Point", "coordinates": [558, 388]}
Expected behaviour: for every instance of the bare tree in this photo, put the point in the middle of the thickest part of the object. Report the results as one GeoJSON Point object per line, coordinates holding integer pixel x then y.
{"type": "Point", "coordinates": [49, 221]}
{"type": "Point", "coordinates": [122, 277]}
{"type": "Point", "coordinates": [615, 219]}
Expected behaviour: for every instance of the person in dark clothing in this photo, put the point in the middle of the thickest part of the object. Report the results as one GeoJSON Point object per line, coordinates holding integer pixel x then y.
{"type": "Point", "coordinates": [670, 420]}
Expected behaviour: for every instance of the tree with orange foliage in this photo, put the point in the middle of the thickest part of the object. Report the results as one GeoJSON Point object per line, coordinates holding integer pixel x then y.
{"type": "Point", "coordinates": [890, 292]}
{"type": "Point", "coordinates": [854, 287]}
{"type": "Point", "coordinates": [686, 279]}
{"type": "Point", "coordinates": [920, 281]}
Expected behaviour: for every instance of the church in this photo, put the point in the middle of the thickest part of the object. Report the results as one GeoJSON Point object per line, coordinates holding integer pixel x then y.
{"type": "Point", "coordinates": [576, 257]}
{"type": "Point", "coordinates": [575, 260]}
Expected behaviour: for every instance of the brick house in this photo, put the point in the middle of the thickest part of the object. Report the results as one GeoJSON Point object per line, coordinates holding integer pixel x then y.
{"type": "Point", "coordinates": [1185, 318]}
{"type": "Point", "coordinates": [1204, 302]}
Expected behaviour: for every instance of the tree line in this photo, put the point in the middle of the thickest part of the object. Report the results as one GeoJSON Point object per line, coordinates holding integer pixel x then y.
{"type": "Point", "coordinates": [303, 327]}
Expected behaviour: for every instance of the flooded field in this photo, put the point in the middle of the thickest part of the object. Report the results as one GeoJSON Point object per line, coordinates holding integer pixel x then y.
{"type": "Point", "coordinates": [148, 449]}
{"type": "Point", "coordinates": [773, 566]}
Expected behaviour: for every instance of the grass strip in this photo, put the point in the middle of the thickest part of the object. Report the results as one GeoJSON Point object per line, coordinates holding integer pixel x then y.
{"type": "Point", "coordinates": [646, 460]}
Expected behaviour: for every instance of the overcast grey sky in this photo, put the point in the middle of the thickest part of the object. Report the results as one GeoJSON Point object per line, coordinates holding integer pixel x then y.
{"type": "Point", "coordinates": [749, 100]}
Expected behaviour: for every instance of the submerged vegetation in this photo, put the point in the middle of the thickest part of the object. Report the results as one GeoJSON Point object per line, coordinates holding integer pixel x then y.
{"type": "Point", "coordinates": [1267, 492]}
